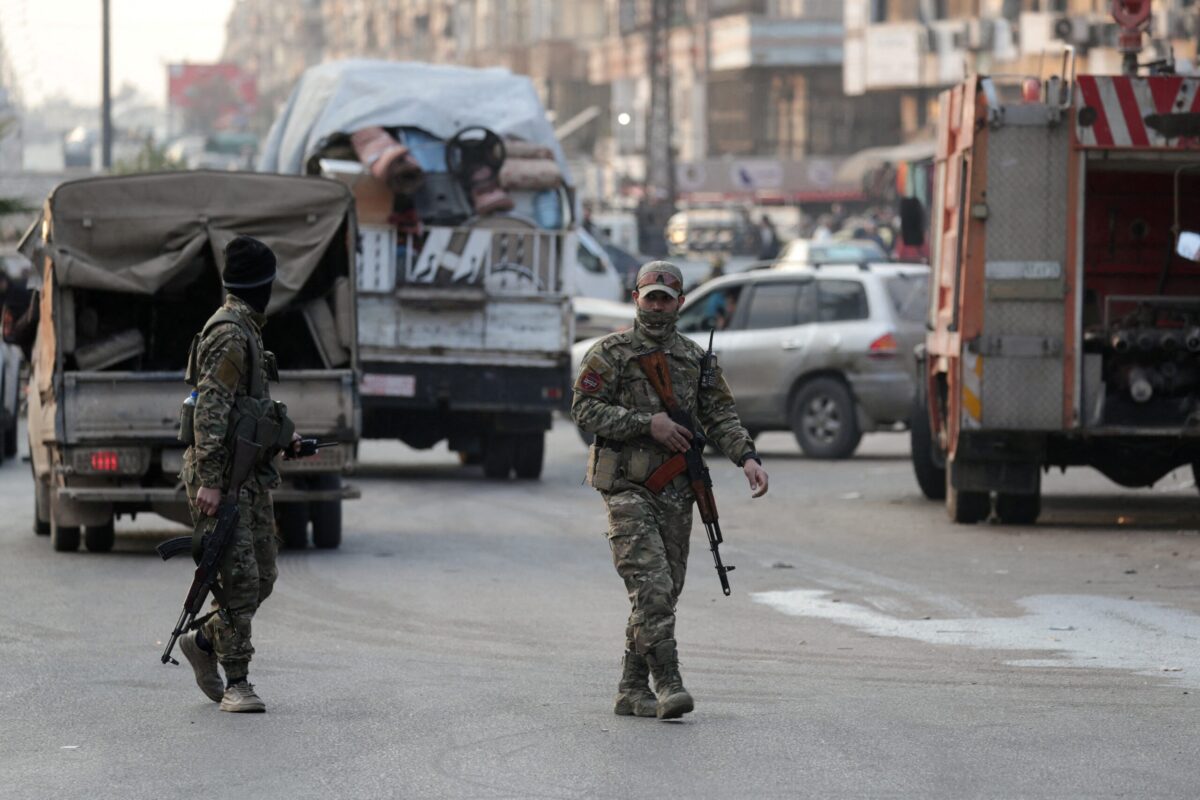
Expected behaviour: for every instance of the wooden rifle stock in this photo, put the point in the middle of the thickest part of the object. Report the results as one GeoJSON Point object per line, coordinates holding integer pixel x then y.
{"type": "Point", "coordinates": [658, 372]}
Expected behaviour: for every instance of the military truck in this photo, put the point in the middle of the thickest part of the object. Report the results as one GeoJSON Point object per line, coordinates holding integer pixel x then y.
{"type": "Point", "coordinates": [469, 249]}
{"type": "Point", "coordinates": [130, 270]}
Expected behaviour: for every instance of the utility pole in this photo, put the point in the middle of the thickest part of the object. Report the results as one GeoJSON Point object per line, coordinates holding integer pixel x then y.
{"type": "Point", "coordinates": [106, 131]}
{"type": "Point", "coordinates": [659, 195]}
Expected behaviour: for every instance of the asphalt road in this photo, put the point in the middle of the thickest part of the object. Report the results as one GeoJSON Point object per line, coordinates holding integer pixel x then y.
{"type": "Point", "coordinates": [464, 643]}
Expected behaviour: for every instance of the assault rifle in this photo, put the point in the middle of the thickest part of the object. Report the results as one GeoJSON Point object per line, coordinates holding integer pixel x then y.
{"type": "Point", "coordinates": [658, 372]}
{"type": "Point", "coordinates": [245, 454]}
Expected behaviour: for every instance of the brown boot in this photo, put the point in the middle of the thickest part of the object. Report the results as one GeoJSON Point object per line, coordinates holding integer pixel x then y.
{"type": "Point", "coordinates": [634, 698]}
{"type": "Point", "coordinates": [673, 700]}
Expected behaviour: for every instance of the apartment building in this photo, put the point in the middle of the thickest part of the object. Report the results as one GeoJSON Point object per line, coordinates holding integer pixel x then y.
{"type": "Point", "coordinates": [909, 50]}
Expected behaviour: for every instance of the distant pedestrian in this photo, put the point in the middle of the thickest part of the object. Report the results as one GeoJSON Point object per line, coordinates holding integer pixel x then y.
{"type": "Point", "coordinates": [768, 239]}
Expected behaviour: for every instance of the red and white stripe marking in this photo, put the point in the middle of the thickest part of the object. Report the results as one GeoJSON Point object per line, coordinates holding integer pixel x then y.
{"type": "Point", "coordinates": [1122, 103]}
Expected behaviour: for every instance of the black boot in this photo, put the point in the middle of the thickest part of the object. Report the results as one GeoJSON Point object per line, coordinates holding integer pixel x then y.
{"type": "Point", "coordinates": [634, 698]}
{"type": "Point", "coordinates": [673, 700]}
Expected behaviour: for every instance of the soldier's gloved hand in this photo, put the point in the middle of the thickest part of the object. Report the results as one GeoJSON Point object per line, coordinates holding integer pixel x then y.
{"type": "Point", "coordinates": [757, 476]}
{"type": "Point", "coordinates": [208, 500]}
{"type": "Point", "coordinates": [669, 433]}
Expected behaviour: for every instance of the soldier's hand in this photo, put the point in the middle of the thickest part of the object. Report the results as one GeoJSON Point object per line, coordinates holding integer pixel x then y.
{"type": "Point", "coordinates": [296, 439]}
{"type": "Point", "coordinates": [669, 433]}
{"type": "Point", "coordinates": [208, 500]}
{"type": "Point", "coordinates": [757, 476]}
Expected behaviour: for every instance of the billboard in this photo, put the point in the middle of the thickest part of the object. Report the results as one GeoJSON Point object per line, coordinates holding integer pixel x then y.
{"type": "Point", "coordinates": [203, 98]}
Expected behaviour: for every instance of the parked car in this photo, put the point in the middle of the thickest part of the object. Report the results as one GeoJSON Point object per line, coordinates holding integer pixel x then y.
{"type": "Point", "coordinates": [810, 253]}
{"type": "Point", "coordinates": [823, 352]}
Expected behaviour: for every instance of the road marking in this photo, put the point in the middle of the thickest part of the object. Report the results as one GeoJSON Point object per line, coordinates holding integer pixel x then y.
{"type": "Point", "coordinates": [1073, 630]}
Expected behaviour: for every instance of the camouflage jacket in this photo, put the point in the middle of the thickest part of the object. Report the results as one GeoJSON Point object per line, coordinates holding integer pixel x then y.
{"type": "Point", "coordinates": [223, 360]}
{"type": "Point", "coordinates": [614, 399]}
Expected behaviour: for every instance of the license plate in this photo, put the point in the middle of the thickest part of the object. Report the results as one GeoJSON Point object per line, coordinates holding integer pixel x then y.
{"type": "Point", "coordinates": [389, 385]}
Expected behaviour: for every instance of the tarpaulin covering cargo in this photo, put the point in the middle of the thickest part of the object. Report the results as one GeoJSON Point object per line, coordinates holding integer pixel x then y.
{"type": "Point", "coordinates": [346, 96]}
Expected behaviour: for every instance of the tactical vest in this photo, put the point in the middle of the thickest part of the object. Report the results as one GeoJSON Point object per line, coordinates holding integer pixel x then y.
{"type": "Point", "coordinates": [254, 415]}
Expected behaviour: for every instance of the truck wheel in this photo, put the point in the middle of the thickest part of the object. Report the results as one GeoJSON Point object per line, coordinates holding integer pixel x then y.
{"type": "Point", "coordinates": [64, 539]}
{"type": "Point", "coordinates": [470, 459]}
{"type": "Point", "coordinates": [530, 453]}
{"type": "Point", "coordinates": [41, 507]}
{"type": "Point", "coordinates": [966, 508]}
{"type": "Point", "coordinates": [1018, 509]}
{"type": "Point", "coordinates": [498, 456]}
{"type": "Point", "coordinates": [10, 439]}
{"type": "Point", "coordinates": [292, 521]}
{"type": "Point", "coordinates": [326, 514]}
{"type": "Point", "coordinates": [99, 538]}
{"type": "Point", "coordinates": [931, 475]}
{"type": "Point", "coordinates": [824, 420]}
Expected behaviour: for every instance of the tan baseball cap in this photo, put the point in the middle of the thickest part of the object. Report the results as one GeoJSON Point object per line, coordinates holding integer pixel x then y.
{"type": "Point", "coordinates": [660, 276]}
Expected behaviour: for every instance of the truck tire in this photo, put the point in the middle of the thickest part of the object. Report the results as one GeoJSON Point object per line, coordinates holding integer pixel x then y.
{"type": "Point", "coordinates": [41, 524]}
{"type": "Point", "coordinates": [10, 438]}
{"type": "Point", "coordinates": [99, 538]}
{"type": "Point", "coordinates": [326, 514]}
{"type": "Point", "coordinates": [966, 508]}
{"type": "Point", "coordinates": [931, 475]}
{"type": "Point", "coordinates": [498, 456]}
{"type": "Point", "coordinates": [1018, 509]}
{"type": "Point", "coordinates": [824, 419]}
{"type": "Point", "coordinates": [63, 538]}
{"type": "Point", "coordinates": [529, 456]}
{"type": "Point", "coordinates": [292, 522]}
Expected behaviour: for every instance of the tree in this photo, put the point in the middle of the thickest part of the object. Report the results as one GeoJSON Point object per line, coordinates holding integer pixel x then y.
{"type": "Point", "coordinates": [151, 158]}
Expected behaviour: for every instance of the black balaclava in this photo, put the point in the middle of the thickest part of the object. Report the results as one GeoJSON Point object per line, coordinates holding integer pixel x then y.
{"type": "Point", "coordinates": [249, 272]}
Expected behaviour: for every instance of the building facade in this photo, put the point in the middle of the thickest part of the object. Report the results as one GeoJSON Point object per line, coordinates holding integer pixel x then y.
{"type": "Point", "coordinates": [909, 50]}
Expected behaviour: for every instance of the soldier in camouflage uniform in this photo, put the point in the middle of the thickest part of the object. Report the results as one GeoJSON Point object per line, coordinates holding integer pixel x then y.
{"type": "Point", "coordinates": [648, 533]}
{"type": "Point", "coordinates": [223, 359]}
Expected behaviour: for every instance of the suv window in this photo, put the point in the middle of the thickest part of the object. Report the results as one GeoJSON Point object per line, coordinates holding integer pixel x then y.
{"type": "Point", "coordinates": [910, 295]}
{"type": "Point", "coordinates": [841, 301]}
{"type": "Point", "coordinates": [781, 305]}
{"type": "Point", "coordinates": [713, 310]}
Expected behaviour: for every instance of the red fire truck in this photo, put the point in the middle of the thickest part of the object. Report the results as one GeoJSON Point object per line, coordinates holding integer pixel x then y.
{"type": "Point", "coordinates": [1064, 326]}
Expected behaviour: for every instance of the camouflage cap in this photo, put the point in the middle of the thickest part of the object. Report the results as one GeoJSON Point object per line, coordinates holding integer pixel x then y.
{"type": "Point", "coordinates": [660, 276]}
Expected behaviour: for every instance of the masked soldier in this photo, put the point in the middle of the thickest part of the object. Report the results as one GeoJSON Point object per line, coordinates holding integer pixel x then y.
{"type": "Point", "coordinates": [649, 524]}
{"type": "Point", "coordinates": [229, 369]}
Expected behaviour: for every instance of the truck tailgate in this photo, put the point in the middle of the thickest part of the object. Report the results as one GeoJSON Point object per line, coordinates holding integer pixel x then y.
{"type": "Point", "coordinates": [115, 406]}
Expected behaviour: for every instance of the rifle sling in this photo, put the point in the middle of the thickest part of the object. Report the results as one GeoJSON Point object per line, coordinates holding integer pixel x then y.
{"type": "Point", "coordinates": [669, 471]}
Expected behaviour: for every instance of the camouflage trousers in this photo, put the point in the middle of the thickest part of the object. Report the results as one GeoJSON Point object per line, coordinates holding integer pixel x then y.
{"type": "Point", "coordinates": [649, 536]}
{"type": "Point", "coordinates": [247, 577]}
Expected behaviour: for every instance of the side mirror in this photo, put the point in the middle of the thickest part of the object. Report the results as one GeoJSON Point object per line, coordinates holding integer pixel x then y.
{"type": "Point", "coordinates": [1188, 246]}
{"type": "Point", "coordinates": [912, 222]}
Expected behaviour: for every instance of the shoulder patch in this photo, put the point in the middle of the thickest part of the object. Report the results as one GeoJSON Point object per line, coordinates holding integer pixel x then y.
{"type": "Point", "coordinates": [229, 371]}
{"type": "Point", "coordinates": [591, 382]}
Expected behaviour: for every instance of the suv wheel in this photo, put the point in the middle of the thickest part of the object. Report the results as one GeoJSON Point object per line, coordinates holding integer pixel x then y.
{"type": "Point", "coordinates": [824, 419]}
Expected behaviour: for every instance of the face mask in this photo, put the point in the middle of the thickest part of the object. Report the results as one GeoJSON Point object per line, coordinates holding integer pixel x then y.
{"type": "Point", "coordinates": [256, 297]}
{"type": "Point", "coordinates": [657, 326]}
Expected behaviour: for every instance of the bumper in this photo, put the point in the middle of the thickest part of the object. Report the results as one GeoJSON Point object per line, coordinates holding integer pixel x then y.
{"type": "Point", "coordinates": [464, 387]}
{"type": "Point", "coordinates": [146, 496]}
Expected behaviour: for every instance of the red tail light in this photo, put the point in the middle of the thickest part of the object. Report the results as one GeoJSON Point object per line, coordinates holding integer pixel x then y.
{"type": "Point", "coordinates": [105, 461]}
{"type": "Point", "coordinates": [883, 347]}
